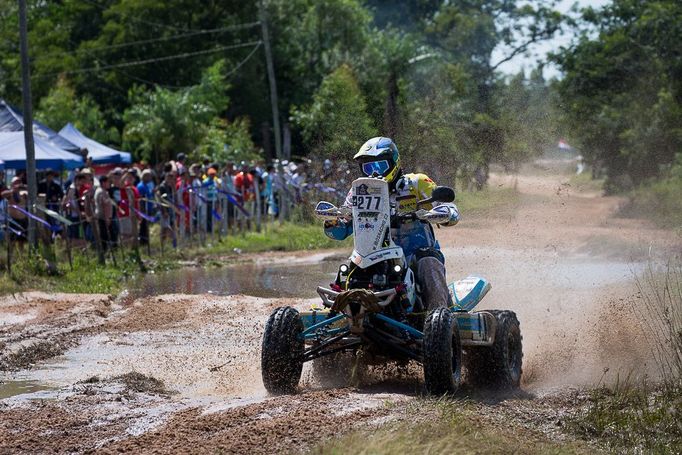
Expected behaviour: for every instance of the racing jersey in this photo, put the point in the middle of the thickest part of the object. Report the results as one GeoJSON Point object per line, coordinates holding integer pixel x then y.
{"type": "Point", "coordinates": [409, 235]}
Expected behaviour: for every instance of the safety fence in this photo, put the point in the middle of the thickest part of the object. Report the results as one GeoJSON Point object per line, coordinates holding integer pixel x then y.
{"type": "Point", "coordinates": [182, 218]}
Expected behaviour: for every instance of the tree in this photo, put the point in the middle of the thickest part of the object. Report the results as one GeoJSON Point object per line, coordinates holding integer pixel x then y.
{"type": "Point", "coordinates": [336, 123]}
{"type": "Point", "coordinates": [62, 106]}
{"type": "Point", "coordinates": [466, 33]}
{"type": "Point", "coordinates": [162, 123]}
{"type": "Point", "coordinates": [622, 89]}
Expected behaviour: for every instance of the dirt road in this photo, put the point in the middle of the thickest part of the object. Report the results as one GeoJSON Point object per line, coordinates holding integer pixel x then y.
{"type": "Point", "coordinates": [180, 373]}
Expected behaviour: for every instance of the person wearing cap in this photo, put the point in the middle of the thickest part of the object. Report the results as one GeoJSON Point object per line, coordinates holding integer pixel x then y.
{"type": "Point", "coordinates": [211, 184]}
{"type": "Point", "coordinates": [145, 190]}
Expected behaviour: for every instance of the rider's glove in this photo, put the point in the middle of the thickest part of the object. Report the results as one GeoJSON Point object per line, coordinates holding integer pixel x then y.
{"type": "Point", "coordinates": [444, 214]}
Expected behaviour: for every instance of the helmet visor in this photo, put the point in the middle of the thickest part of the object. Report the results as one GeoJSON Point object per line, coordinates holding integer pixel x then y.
{"type": "Point", "coordinates": [375, 167]}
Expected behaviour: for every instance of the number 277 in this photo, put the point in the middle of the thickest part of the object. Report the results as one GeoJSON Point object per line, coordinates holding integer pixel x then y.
{"type": "Point", "coordinates": [367, 202]}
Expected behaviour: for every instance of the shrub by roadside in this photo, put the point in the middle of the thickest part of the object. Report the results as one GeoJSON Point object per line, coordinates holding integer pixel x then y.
{"type": "Point", "coordinates": [659, 200]}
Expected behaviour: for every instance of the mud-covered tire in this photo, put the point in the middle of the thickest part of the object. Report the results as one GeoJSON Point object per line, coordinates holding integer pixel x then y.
{"type": "Point", "coordinates": [282, 351]}
{"type": "Point", "coordinates": [500, 365]}
{"type": "Point", "coordinates": [442, 353]}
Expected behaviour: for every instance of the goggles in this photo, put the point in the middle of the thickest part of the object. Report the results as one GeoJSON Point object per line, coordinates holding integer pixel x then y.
{"type": "Point", "coordinates": [375, 167]}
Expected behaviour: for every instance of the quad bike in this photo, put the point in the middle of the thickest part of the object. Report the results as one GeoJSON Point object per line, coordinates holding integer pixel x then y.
{"type": "Point", "coordinates": [375, 311]}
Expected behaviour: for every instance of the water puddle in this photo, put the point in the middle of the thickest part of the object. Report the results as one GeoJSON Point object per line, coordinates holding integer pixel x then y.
{"type": "Point", "coordinates": [269, 280]}
{"type": "Point", "coordinates": [13, 388]}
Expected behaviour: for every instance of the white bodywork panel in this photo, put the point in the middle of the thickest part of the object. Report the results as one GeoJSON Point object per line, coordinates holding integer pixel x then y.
{"type": "Point", "coordinates": [372, 223]}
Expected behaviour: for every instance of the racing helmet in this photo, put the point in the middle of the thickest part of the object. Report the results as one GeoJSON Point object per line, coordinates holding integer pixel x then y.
{"type": "Point", "coordinates": [379, 157]}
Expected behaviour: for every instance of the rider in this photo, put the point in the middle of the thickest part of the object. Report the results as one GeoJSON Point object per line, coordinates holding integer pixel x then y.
{"type": "Point", "coordinates": [379, 157]}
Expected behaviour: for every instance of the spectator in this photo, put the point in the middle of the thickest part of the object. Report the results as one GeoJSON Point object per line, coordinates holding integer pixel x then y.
{"type": "Point", "coordinates": [71, 205]}
{"type": "Point", "coordinates": [128, 191]}
{"type": "Point", "coordinates": [115, 195]}
{"type": "Point", "coordinates": [243, 183]}
{"type": "Point", "coordinates": [166, 192]}
{"type": "Point", "coordinates": [180, 162]}
{"type": "Point", "coordinates": [104, 211]}
{"type": "Point", "coordinates": [211, 183]}
{"type": "Point", "coordinates": [17, 198]}
{"type": "Point", "coordinates": [52, 190]}
{"type": "Point", "coordinates": [145, 190]}
{"type": "Point", "coordinates": [184, 195]}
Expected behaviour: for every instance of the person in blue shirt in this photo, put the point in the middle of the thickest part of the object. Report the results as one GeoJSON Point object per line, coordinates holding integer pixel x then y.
{"type": "Point", "coordinates": [210, 184]}
{"type": "Point", "coordinates": [146, 190]}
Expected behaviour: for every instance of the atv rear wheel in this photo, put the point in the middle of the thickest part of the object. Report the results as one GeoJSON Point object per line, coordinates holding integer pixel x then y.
{"type": "Point", "coordinates": [499, 365]}
{"type": "Point", "coordinates": [282, 351]}
{"type": "Point", "coordinates": [442, 353]}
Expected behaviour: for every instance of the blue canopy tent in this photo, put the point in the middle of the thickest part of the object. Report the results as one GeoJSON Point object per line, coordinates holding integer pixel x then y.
{"type": "Point", "coordinates": [11, 120]}
{"type": "Point", "coordinates": [48, 156]}
{"type": "Point", "coordinates": [100, 153]}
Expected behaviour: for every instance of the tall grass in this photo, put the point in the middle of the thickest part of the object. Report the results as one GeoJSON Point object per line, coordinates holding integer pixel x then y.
{"type": "Point", "coordinates": [661, 316]}
{"type": "Point", "coordinates": [645, 416]}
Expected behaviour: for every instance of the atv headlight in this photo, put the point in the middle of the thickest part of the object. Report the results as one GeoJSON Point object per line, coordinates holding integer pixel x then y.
{"type": "Point", "coordinates": [343, 269]}
{"type": "Point", "coordinates": [397, 268]}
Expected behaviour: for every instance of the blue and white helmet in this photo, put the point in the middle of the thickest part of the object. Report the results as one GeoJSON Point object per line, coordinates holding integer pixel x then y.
{"type": "Point", "coordinates": [379, 157]}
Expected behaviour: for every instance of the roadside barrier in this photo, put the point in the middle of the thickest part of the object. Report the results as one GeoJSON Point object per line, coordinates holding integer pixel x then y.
{"type": "Point", "coordinates": [189, 216]}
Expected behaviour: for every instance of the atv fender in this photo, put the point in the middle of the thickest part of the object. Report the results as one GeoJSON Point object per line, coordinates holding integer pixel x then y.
{"type": "Point", "coordinates": [468, 292]}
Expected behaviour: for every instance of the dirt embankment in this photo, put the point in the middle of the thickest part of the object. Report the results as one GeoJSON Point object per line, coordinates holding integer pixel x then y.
{"type": "Point", "coordinates": [558, 257]}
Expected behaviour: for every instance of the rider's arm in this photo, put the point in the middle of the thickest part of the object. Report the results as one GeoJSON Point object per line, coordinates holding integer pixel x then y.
{"type": "Point", "coordinates": [340, 229]}
{"type": "Point", "coordinates": [426, 187]}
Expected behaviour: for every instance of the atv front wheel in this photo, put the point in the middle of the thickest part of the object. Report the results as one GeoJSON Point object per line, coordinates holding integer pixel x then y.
{"type": "Point", "coordinates": [442, 353]}
{"type": "Point", "coordinates": [282, 351]}
{"type": "Point", "coordinates": [499, 365]}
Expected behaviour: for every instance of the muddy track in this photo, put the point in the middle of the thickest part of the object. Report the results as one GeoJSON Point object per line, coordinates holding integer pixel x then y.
{"type": "Point", "coordinates": [558, 256]}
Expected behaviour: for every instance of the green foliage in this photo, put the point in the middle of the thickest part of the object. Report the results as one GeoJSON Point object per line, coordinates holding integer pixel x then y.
{"type": "Point", "coordinates": [227, 141]}
{"type": "Point", "coordinates": [394, 64]}
{"type": "Point", "coordinates": [444, 426]}
{"type": "Point", "coordinates": [62, 106]}
{"type": "Point", "coordinates": [164, 122]}
{"type": "Point", "coordinates": [632, 418]}
{"type": "Point", "coordinates": [337, 120]}
{"type": "Point", "coordinates": [622, 89]}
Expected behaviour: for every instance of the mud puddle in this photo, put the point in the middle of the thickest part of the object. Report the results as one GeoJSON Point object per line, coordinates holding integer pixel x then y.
{"type": "Point", "coordinates": [297, 277]}
{"type": "Point", "coordinates": [14, 388]}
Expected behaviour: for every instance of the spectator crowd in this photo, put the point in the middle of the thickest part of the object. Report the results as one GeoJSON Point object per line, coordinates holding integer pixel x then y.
{"type": "Point", "coordinates": [105, 207]}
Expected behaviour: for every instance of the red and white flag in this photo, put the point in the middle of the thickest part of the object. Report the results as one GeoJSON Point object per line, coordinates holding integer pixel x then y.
{"type": "Point", "coordinates": [563, 145]}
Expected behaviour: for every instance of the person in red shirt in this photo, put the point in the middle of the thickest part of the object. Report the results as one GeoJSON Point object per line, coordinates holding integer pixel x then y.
{"type": "Point", "coordinates": [128, 184]}
{"type": "Point", "coordinates": [243, 183]}
{"type": "Point", "coordinates": [183, 186]}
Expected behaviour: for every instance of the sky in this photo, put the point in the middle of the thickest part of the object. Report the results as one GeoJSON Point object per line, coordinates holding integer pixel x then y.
{"type": "Point", "coordinates": [540, 50]}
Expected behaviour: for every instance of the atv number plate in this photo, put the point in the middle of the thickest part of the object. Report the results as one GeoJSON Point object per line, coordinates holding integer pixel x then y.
{"type": "Point", "coordinates": [368, 203]}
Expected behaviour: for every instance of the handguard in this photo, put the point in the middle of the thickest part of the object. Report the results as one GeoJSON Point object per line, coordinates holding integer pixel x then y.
{"type": "Point", "coordinates": [442, 214]}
